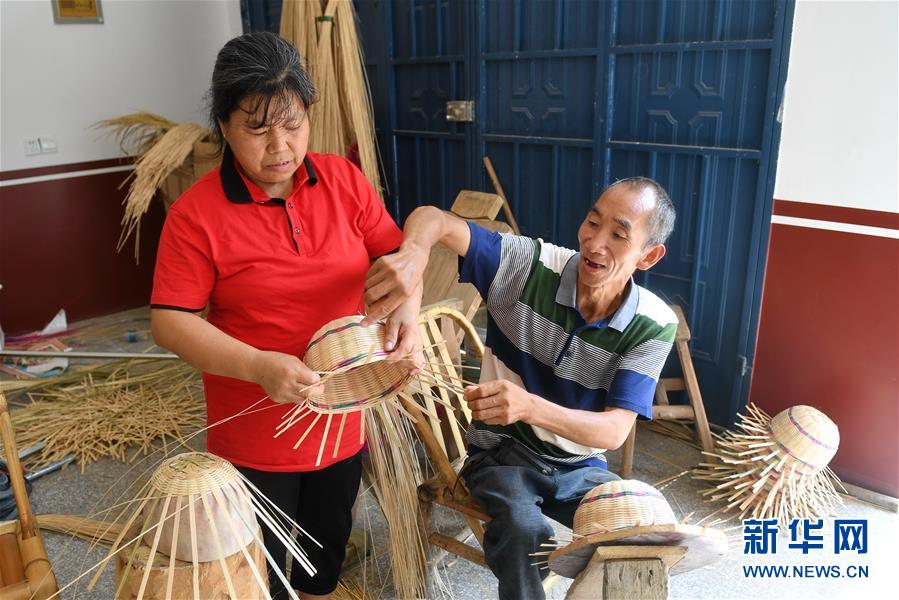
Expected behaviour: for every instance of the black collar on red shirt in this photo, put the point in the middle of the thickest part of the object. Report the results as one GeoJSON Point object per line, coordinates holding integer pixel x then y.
{"type": "Point", "coordinates": [234, 186]}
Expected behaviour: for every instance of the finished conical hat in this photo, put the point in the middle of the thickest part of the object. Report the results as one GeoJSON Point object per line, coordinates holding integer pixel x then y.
{"type": "Point", "coordinates": [633, 513]}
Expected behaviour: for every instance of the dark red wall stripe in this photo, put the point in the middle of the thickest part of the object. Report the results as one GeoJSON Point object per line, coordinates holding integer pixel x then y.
{"type": "Point", "coordinates": [821, 212]}
{"type": "Point", "coordinates": [829, 338]}
{"type": "Point", "coordinates": [69, 168]}
{"type": "Point", "coordinates": [58, 250]}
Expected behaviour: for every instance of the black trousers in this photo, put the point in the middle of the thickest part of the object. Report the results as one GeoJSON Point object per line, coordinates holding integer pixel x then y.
{"type": "Point", "coordinates": [321, 503]}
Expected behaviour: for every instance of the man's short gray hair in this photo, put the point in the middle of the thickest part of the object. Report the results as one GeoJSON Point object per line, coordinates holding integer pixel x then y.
{"type": "Point", "coordinates": [661, 222]}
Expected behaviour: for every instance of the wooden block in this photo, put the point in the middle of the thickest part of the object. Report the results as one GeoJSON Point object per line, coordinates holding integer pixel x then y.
{"type": "Point", "coordinates": [477, 205]}
{"type": "Point", "coordinates": [670, 555]}
{"type": "Point", "coordinates": [211, 579]}
{"type": "Point", "coordinates": [498, 226]}
{"type": "Point", "coordinates": [646, 579]}
{"type": "Point", "coordinates": [626, 572]}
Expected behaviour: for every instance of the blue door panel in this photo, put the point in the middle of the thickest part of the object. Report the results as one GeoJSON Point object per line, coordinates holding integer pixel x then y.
{"type": "Point", "coordinates": [653, 22]}
{"type": "Point", "coordinates": [543, 25]}
{"type": "Point", "coordinates": [427, 28]}
{"type": "Point", "coordinates": [434, 161]}
{"type": "Point", "coordinates": [701, 98]}
{"type": "Point", "coordinates": [540, 97]}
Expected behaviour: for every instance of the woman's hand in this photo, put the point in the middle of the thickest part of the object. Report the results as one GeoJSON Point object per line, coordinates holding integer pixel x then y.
{"type": "Point", "coordinates": [392, 280]}
{"type": "Point", "coordinates": [285, 378]}
{"type": "Point", "coordinates": [402, 336]}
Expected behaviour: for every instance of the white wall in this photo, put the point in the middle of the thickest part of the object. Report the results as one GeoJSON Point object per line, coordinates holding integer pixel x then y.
{"type": "Point", "coordinates": [839, 139]}
{"type": "Point", "coordinates": [57, 80]}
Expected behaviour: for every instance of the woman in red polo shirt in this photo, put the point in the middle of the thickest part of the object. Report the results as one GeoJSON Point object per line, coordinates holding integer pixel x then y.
{"type": "Point", "coordinates": [276, 243]}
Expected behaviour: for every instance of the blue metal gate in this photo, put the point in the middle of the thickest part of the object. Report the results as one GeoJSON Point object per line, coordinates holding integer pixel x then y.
{"type": "Point", "coordinates": [571, 95]}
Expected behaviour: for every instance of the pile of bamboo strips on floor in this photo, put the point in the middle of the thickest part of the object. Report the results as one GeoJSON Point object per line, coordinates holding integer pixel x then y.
{"type": "Point", "coordinates": [325, 34]}
{"type": "Point", "coordinates": [108, 410]}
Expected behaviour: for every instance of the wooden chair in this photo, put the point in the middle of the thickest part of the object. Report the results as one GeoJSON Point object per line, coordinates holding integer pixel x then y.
{"type": "Point", "coordinates": [663, 410]}
{"type": "Point", "coordinates": [444, 438]}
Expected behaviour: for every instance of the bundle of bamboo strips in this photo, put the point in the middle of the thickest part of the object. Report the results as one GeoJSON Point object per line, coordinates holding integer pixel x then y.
{"type": "Point", "coordinates": [110, 409]}
{"type": "Point", "coordinates": [327, 37]}
{"type": "Point", "coordinates": [396, 478]}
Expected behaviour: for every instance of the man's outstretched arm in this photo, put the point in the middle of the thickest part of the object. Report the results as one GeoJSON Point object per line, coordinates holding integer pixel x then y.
{"type": "Point", "coordinates": [395, 277]}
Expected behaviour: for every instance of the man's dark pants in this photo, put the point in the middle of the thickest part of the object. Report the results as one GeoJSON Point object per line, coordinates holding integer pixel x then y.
{"type": "Point", "coordinates": [516, 490]}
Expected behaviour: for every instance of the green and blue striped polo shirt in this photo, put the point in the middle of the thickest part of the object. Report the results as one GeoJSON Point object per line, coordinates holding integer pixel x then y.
{"type": "Point", "coordinates": [537, 339]}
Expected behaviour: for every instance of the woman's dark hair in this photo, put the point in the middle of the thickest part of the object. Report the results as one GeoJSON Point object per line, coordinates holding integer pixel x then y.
{"type": "Point", "coordinates": [263, 67]}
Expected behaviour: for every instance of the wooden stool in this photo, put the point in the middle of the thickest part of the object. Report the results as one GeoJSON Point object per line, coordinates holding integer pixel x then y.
{"type": "Point", "coordinates": [662, 410]}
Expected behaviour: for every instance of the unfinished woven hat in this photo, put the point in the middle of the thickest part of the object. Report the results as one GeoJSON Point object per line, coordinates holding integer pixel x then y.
{"type": "Point", "coordinates": [355, 376]}
{"type": "Point", "coordinates": [195, 534]}
{"type": "Point", "coordinates": [633, 513]}
{"type": "Point", "coordinates": [775, 467]}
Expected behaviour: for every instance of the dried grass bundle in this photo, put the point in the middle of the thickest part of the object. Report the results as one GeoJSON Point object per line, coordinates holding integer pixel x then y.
{"type": "Point", "coordinates": [110, 410]}
{"type": "Point", "coordinates": [775, 467]}
{"type": "Point", "coordinates": [136, 133]}
{"type": "Point", "coordinates": [328, 127]}
{"type": "Point", "coordinates": [151, 169]}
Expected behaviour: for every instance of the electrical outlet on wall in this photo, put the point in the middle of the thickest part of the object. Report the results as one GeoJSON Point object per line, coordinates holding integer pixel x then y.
{"type": "Point", "coordinates": [32, 146]}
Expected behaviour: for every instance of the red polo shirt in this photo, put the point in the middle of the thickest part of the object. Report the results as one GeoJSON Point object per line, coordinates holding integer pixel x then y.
{"type": "Point", "coordinates": [272, 271]}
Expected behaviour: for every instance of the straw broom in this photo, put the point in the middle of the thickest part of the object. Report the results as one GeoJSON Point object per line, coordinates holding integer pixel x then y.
{"type": "Point", "coordinates": [355, 94]}
{"type": "Point", "coordinates": [342, 114]}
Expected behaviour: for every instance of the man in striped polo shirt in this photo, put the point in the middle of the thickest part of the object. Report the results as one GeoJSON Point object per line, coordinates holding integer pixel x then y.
{"type": "Point", "coordinates": [574, 349]}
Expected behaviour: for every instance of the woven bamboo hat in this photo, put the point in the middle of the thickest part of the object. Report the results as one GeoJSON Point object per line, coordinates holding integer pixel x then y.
{"type": "Point", "coordinates": [198, 510]}
{"type": "Point", "coordinates": [629, 512]}
{"type": "Point", "coordinates": [221, 510]}
{"type": "Point", "coordinates": [352, 358]}
{"type": "Point", "coordinates": [775, 467]}
{"type": "Point", "coordinates": [805, 436]}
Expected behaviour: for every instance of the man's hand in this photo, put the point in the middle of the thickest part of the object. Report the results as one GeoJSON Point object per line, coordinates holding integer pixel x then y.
{"type": "Point", "coordinates": [392, 280]}
{"type": "Point", "coordinates": [285, 378]}
{"type": "Point", "coordinates": [499, 402]}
